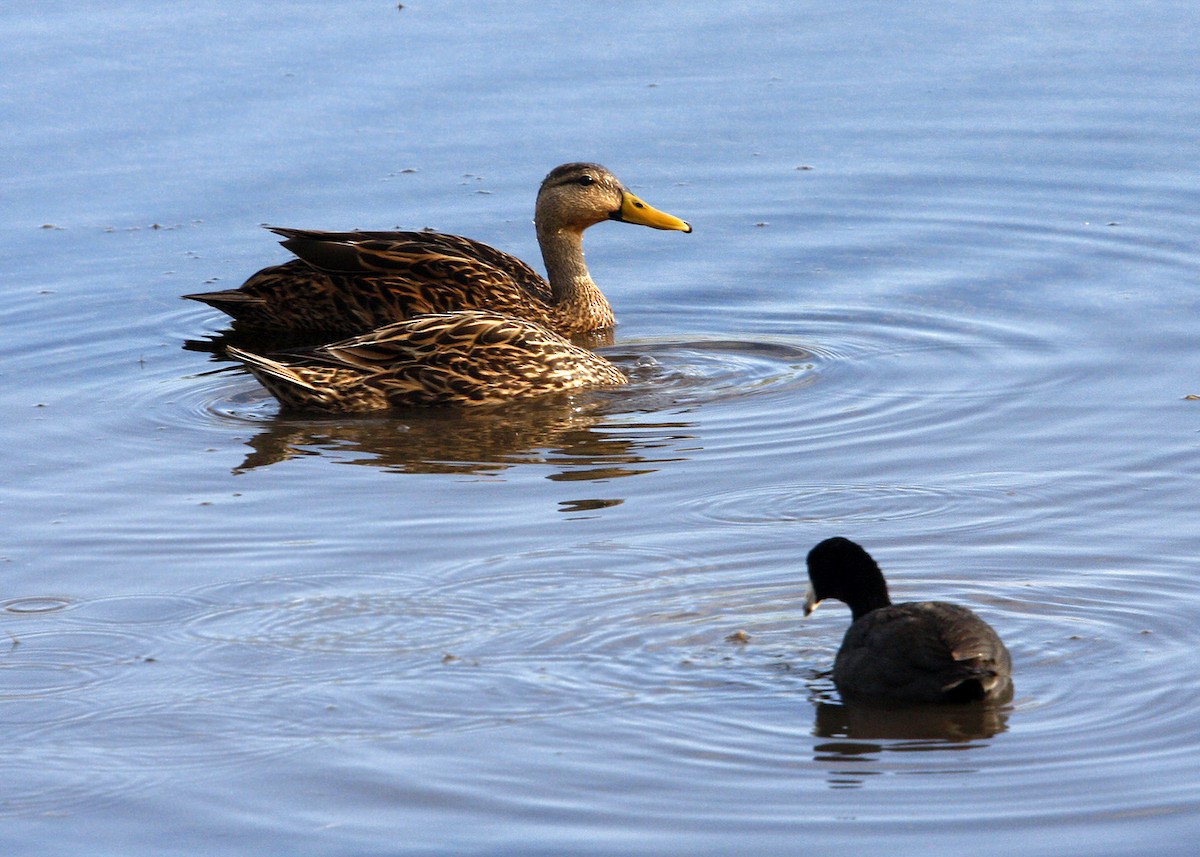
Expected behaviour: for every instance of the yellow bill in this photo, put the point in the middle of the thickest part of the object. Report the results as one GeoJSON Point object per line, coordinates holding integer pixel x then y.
{"type": "Point", "coordinates": [633, 210]}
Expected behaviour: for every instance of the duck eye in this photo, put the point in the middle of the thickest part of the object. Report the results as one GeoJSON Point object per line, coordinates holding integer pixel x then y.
{"type": "Point", "coordinates": [586, 180]}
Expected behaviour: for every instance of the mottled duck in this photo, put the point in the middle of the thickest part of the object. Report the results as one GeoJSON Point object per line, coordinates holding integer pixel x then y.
{"type": "Point", "coordinates": [462, 358]}
{"type": "Point", "coordinates": [345, 283]}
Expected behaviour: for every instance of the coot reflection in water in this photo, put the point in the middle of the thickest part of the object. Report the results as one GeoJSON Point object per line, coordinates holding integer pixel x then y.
{"type": "Point", "coordinates": [863, 734]}
{"type": "Point", "coordinates": [939, 726]}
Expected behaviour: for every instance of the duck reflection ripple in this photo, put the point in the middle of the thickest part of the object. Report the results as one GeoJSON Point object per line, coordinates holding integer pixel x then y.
{"type": "Point", "coordinates": [585, 435]}
{"type": "Point", "coordinates": [571, 434]}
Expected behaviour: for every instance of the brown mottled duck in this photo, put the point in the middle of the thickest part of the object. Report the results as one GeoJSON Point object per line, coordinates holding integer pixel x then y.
{"type": "Point", "coordinates": [344, 283]}
{"type": "Point", "coordinates": [463, 358]}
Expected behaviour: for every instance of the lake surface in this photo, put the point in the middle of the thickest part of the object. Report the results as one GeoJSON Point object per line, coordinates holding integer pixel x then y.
{"type": "Point", "coordinates": [941, 298]}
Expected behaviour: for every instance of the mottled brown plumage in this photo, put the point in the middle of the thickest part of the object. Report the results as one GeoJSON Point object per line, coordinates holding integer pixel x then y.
{"type": "Point", "coordinates": [462, 358]}
{"type": "Point", "coordinates": [344, 283]}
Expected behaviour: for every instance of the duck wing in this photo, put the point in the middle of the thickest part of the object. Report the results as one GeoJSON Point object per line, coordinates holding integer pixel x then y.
{"type": "Point", "coordinates": [434, 257]}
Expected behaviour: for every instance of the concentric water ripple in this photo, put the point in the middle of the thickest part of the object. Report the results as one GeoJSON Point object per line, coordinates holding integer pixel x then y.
{"type": "Point", "coordinates": [1115, 629]}
{"type": "Point", "coordinates": [669, 637]}
{"type": "Point", "coordinates": [663, 374]}
{"type": "Point", "coordinates": [841, 504]}
{"type": "Point", "coordinates": [65, 660]}
{"type": "Point", "coordinates": [334, 616]}
{"type": "Point", "coordinates": [35, 605]}
{"type": "Point", "coordinates": [842, 379]}
{"type": "Point", "coordinates": [689, 373]}
{"type": "Point", "coordinates": [477, 631]}
{"type": "Point", "coordinates": [583, 432]}
{"type": "Point", "coordinates": [878, 377]}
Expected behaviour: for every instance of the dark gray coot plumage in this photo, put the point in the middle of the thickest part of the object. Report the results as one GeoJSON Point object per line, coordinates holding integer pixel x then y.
{"type": "Point", "coordinates": [916, 652]}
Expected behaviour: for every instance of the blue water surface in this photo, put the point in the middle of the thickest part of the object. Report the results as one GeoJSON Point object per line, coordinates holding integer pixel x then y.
{"type": "Point", "coordinates": [941, 298]}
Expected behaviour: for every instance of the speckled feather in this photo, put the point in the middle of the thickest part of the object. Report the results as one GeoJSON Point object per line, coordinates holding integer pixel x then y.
{"type": "Point", "coordinates": [462, 358]}
{"type": "Point", "coordinates": [344, 283]}
{"type": "Point", "coordinates": [341, 285]}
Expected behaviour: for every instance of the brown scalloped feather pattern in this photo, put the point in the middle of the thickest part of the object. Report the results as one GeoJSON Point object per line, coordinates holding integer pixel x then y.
{"type": "Point", "coordinates": [462, 358]}
{"type": "Point", "coordinates": [337, 287]}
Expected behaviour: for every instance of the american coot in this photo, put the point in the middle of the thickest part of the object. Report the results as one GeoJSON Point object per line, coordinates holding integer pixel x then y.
{"type": "Point", "coordinates": [917, 652]}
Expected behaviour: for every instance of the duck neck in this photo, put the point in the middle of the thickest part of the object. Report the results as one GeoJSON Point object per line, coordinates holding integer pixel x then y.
{"type": "Point", "coordinates": [574, 292]}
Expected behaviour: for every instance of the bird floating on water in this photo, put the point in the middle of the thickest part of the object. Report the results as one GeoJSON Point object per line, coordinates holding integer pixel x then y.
{"type": "Point", "coordinates": [916, 652]}
{"type": "Point", "coordinates": [462, 358]}
{"type": "Point", "coordinates": [347, 283]}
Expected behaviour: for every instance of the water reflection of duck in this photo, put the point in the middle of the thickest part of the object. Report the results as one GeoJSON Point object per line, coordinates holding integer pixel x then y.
{"type": "Point", "coordinates": [463, 358]}
{"type": "Point", "coordinates": [345, 283]}
{"type": "Point", "coordinates": [571, 438]}
{"type": "Point", "coordinates": [917, 652]}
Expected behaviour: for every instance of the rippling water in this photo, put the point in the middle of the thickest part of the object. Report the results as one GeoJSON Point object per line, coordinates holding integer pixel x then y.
{"type": "Point", "coordinates": [941, 298]}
